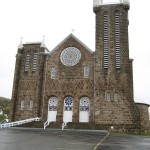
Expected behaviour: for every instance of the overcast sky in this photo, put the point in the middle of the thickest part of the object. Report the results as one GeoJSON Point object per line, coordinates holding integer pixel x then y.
{"type": "Point", "coordinates": [31, 19]}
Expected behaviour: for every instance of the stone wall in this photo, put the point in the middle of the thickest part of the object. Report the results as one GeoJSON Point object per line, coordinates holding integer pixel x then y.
{"type": "Point", "coordinates": [114, 104]}
{"type": "Point", "coordinates": [144, 116]}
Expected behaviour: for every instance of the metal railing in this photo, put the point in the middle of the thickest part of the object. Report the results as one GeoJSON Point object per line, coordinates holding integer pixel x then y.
{"type": "Point", "coordinates": [16, 123]}
{"type": "Point", "coordinates": [64, 124]}
{"type": "Point", "coordinates": [46, 124]}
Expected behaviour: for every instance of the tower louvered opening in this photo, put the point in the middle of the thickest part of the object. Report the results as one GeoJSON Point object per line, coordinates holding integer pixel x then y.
{"type": "Point", "coordinates": [117, 39]}
{"type": "Point", "coordinates": [27, 62]}
{"type": "Point", "coordinates": [35, 57]}
{"type": "Point", "coordinates": [105, 41]}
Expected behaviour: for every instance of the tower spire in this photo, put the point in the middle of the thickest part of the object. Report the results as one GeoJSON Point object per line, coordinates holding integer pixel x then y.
{"type": "Point", "coordinates": [43, 42]}
{"type": "Point", "coordinates": [20, 45]}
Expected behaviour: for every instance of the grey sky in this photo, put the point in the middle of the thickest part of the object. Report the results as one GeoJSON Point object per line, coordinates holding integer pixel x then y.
{"type": "Point", "coordinates": [31, 19]}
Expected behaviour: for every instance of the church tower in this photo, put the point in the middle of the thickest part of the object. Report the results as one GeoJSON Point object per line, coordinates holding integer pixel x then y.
{"type": "Point", "coordinates": [28, 80]}
{"type": "Point", "coordinates": [114, 104]}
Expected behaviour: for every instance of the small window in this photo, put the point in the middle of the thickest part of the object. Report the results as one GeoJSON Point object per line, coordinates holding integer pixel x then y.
{"type": "Point", "coordinates": [34, 61]}
{"type": "Point", "coordinates": [31, 104]}
{"type": "Point", "coordinates": [26, 67]}
{"type": "Point", "coordinates": [108, 96]}
{"type": "Point", "coordinates": [86, 71]}
{"type": "Point", "coordinates": [116, 96]}
{"type": "Point", "coordinates": [22, 104]}
{"type": "Point", "coordinates": [53, 72]}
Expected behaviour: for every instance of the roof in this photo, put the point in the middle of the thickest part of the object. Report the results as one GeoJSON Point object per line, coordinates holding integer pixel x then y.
{"type": "Point", "coordinates": [71, 35]}
{"type": "Point", "coordinates": [143, 104]}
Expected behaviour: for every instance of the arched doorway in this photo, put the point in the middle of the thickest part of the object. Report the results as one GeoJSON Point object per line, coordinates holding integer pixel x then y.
{"type": "Point", "coordinates": [52, 109]}
{"type": "Point", "coordinates": [84, 109]}
{"type": "Point", "coordinates": [68, 109]}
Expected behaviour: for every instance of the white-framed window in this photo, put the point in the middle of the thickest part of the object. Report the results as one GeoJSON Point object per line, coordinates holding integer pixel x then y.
{"type": "Point", "coordinates": [31, 105]}
{"type": "Point", "coordinates": [35, 58]}
{"type": "Point", "coordinates": [86, 71]}
{"type": "Point", "coordinates": [27, 61]}
{"type": "Point", "coordinates": [22, 104]}
{"type": "Point", "coordinates": [53, 72]}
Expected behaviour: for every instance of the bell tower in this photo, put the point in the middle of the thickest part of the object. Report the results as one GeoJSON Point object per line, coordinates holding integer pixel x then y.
{"type": "Point", "coordinates": [113, 67]}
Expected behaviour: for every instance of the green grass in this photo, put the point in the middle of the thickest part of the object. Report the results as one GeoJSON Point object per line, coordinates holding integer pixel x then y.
{"type": "Point", "coordinates": [144, 134]}
{"type": "Point", "coordinates": [2, 117]}
{"type": "Point", "coordinates": [138, 134]}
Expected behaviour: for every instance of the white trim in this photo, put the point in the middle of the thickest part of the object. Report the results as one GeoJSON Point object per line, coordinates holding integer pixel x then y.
{"type": "Point", "coordinates": [71, 35]}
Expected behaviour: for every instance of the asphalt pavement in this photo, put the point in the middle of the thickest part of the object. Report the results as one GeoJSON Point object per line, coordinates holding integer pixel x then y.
{"type": "Point", "coordinates": [53, 139]}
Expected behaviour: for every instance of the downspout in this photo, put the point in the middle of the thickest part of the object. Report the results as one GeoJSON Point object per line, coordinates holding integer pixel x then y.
{"type": "Point", "coordinates": [94, 89]}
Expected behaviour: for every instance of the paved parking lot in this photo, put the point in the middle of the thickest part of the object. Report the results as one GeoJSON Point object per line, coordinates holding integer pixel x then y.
{"type": "Point", "coordinates": [125, 142]}
{"type": "Point", "coordinates": [50, 139]}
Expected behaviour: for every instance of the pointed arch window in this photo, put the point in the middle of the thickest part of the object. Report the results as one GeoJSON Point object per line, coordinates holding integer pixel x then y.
{"type": "Point", "coordinates": [27, 61]}
{"type": "Point", "coordinates": [53, 72]}
{"type": "Point", "coordinates": [86, 71]}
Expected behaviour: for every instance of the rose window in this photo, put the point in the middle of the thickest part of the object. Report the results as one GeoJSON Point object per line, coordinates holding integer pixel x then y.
{"type": "Point", "coordinates": [70, 56]}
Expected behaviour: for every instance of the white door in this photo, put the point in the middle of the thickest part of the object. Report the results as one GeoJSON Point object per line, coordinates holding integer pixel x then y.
{"type": "Point", "coordinates": [84, 109]}
{"type": "Point", "coordinates": [68, 109]}
{"type": "Point", "coordinates": [52, 109]}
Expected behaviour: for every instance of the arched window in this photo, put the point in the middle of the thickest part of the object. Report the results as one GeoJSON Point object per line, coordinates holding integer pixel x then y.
{"type": "Point", "coordinates": [31, 104]}
{"type": "Point", "coordinates": [86, 71]}
{"type": "Point", "coordinates": [68, 104]}
{"type": "Point", "coordinates": [116, 96]}
{"type": "Point", "coordinates": [53, 101]}
{"type": "Point", "coordinates": [84, 104]}
{"type": "Point", "coordinates": [53, 72]}
{"type": "Point", "coordinates": [108, 96]}
{"type": "Point", "coordinates": [84, 109]}
{"type": "Point", "coordinates": [22, 104]}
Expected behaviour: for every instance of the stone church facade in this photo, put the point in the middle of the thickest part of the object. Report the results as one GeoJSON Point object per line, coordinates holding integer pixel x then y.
{"type": "Point", "coordinates": [72, 83]}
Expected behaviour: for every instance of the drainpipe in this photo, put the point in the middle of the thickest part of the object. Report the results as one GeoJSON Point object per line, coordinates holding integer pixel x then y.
{"type": "Point", "coordinates": [94, 89]}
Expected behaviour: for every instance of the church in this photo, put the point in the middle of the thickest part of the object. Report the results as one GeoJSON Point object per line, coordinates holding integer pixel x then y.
{"type": "Point", "coordinates": [74, 84]}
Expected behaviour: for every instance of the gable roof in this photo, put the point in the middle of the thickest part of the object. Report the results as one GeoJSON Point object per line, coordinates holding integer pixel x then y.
{"type": "Point", "coordinates": [71, 35]}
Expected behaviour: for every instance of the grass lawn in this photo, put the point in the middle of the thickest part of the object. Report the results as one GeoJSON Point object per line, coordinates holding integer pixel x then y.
{"type": "Point", "coordinates": [2, 117]}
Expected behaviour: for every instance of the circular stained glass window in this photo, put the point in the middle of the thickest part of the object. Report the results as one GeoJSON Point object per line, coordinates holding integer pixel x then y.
{"type": "Point", "coordinates": [70, 56]}
{"type": "Point", "coordinates": [53, 101]}
{"type": "Point", "coordinates": [68, 101]}
{"type": "Point", "coordinates": [84, 101]}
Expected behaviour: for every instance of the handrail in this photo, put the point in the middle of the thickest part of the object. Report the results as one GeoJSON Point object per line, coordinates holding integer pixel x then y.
{"type": "Point", "coordinates": [63, 125]}
{"type": "Point", "coordinates": [46, 124]}
{"type": "Point", "coordinates": [11, 124]}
